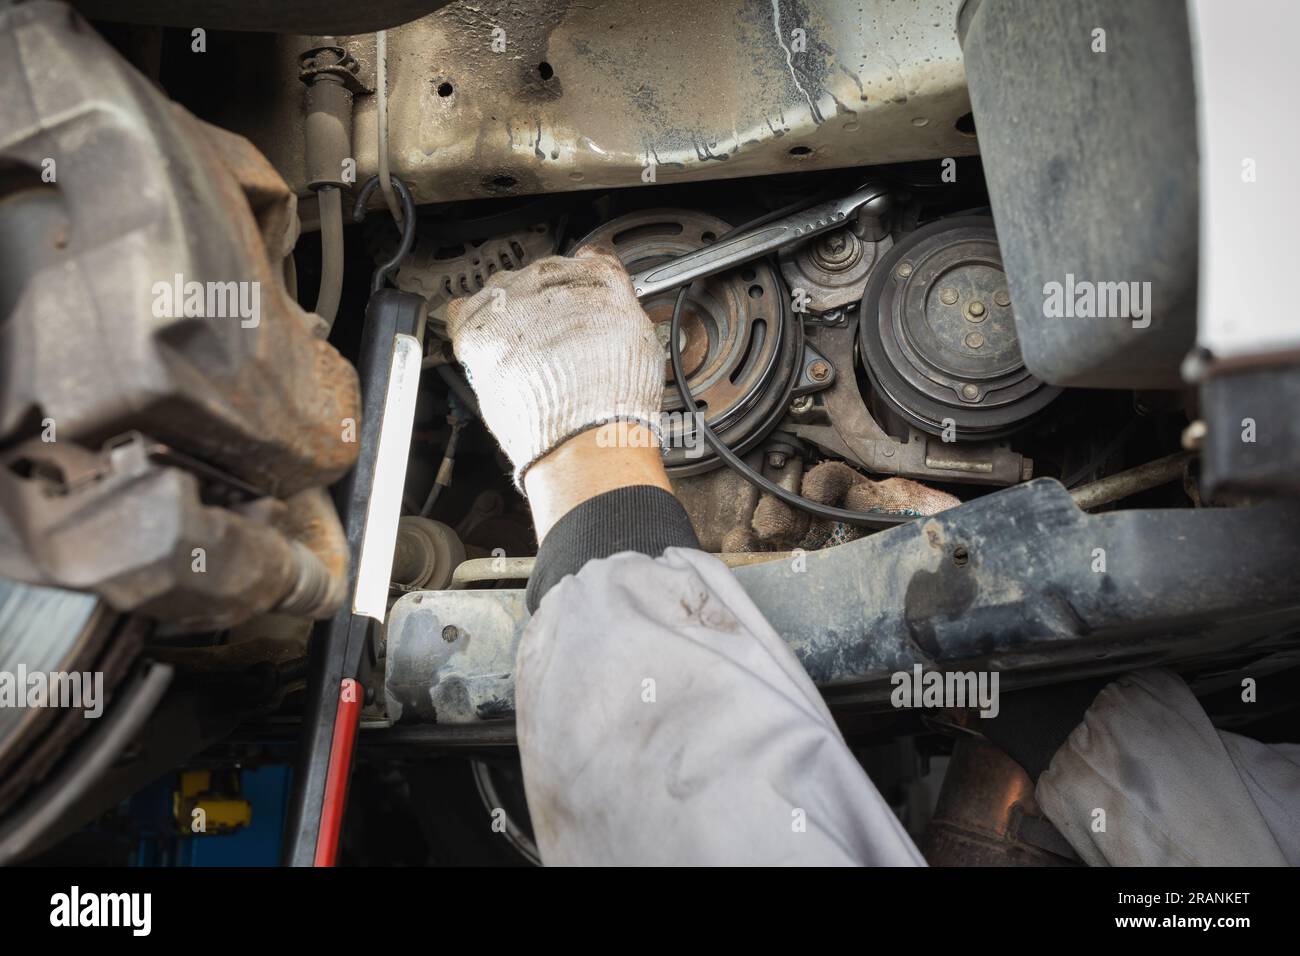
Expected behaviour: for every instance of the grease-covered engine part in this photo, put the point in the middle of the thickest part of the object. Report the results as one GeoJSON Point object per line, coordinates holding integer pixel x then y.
{"type": "Point", "coordinates": [164, 326]}
{"type": "Point", "coordinates": [730, 515]}
{"type": "Point", "coordinates": [831, 270]}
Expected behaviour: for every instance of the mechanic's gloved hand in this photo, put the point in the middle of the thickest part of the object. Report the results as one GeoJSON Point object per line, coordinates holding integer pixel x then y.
{"type": "Point", "coordinates": [556, 348]}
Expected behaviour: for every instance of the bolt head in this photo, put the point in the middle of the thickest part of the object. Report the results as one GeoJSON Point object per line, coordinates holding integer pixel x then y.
{"type": "Point", "coordinates": [970, 392]}
{"type": "Point", "coordinates": [975, 308]}
{"type": "Point", "coordinates": [904, 270]}
{"type": "Point", "coordinates": [819, 371]}
{"type": "Point", "coordinates": [450, 633]}
{"type": "Point", "coordinates": [836, 251]}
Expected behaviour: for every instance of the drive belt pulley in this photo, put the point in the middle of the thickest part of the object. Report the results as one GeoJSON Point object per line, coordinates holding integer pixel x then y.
{"type": "Point", "coordinates": [937, 336]}
{"type": "Point", "coordinates": [739, 347]}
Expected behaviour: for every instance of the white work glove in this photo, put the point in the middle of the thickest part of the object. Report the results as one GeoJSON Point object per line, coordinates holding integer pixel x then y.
{"type": "Point", "coordinates": [556, 348]}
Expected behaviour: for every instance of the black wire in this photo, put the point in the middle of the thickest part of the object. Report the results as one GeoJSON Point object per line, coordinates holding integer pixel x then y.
{"type": "Point", "coordinates": [408, 226]}
{"type": "Point", "coordinates": [865, 519]}
{"type": "Point", "coordinates": [729, 458]}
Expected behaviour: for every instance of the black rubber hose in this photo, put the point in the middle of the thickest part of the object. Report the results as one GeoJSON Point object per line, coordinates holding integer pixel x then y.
{"type": "Point", "coordinates": [384, 269]}
{"type": "Point", "coordinates": [863, 519]}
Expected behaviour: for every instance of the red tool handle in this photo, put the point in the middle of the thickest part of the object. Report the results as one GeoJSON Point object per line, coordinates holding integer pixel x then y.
{"type": "Point", "coordinates": [346, 720]}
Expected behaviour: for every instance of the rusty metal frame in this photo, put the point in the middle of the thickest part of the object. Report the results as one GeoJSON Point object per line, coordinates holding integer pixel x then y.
{"type": "Point", "coordinates": [515, 97]}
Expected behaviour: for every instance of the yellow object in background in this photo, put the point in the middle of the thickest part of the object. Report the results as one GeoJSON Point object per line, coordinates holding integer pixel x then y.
{"type": "Point", "coordinates": [208, 803]}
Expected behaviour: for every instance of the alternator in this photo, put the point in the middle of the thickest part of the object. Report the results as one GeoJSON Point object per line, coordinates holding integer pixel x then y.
{"type": "Point", "coordinates": [443, 273]}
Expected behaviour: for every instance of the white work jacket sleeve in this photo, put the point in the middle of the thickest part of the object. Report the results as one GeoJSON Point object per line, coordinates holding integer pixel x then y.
{"type": "Point", "coordinates": [662, 721]}
{"type": "Point", "coordinates": [1146, 780]}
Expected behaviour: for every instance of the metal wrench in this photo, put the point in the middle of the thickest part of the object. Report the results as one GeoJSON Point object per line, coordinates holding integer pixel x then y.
{"type": "Point", "coordinates": [864, 208]}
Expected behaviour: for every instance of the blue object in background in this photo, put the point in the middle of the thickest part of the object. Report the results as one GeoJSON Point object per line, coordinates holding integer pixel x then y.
{"type": "Point", "coordinates": [258, 844]}
{"type": "Point", "coordinates": [267, 788]}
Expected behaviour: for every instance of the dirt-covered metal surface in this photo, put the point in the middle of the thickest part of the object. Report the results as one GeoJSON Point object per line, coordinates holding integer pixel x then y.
{"type": "Point", "coordinates": [144, 312]}
{"type": "Point", "coordinates": [1006, 582]}
{"type": "Point", "coordinates": [509, 97]}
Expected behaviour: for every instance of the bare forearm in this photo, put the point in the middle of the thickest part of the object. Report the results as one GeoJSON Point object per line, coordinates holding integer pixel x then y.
{"type": "Point", "coordinates": [597, 461]}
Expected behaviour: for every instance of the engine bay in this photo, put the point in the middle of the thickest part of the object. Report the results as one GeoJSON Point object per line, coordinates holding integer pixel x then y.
{"type": "Point", "coordinates": [919, 393]}
{"type": "Point", "coordinates": [895, 356]}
